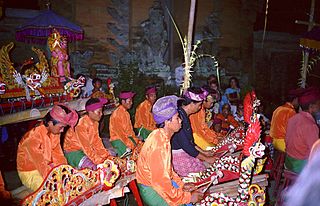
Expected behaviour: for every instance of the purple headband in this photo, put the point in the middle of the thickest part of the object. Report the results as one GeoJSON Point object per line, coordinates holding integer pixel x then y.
{"type": "Point", "coordinates": [165, 108]}
{"type": "Point", "coordinates": [196, 97]}
{"type": "Point", "coordinates": [98, 105]}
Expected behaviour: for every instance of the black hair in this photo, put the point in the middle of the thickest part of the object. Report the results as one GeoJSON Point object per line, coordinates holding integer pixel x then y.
{"type": "Point", "coordinates": [161, 125]}
{"type": "Point", "coordinates": [209, 90]}
{"type": "Point", "coordinates": [49, 118]}
{"type": "Point", "coordinates": [226, 104]}
{"type": "Point", "coordinates": [236, 80]}
{"type": "Point", "coordinates": [96, 80]}
{"type": "Point", "coordinates": [92, 101]}
{"type": "Point", "coordinates": [289, 98]}
{"type": "Point", "coordinates": [79, 75]}
{"type": "Point", "coordinates": [210, 77]}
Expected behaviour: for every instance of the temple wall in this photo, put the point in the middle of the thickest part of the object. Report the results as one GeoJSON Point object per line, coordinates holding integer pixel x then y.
{"type": "Point", "coordinates": [114, 28]}
{"type": "Point", "coordinates": [276, 66]}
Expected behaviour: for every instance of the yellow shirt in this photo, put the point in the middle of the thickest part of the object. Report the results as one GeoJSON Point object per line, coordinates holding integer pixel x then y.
{"type": "Point", "coordinates": [86, 137]}
{"type": "Point", "coordinates": [144, 117]}
{"type": "Point", "coordinates": [154, 169]}
{"type": "Point", "coordinates": [39, 150]}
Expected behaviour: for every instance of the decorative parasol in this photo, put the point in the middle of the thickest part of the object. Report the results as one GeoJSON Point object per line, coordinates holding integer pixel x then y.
{"type": "Point", "coordinates": [311, 39]}
{"type": "Point", "coordinates": [40, 27]}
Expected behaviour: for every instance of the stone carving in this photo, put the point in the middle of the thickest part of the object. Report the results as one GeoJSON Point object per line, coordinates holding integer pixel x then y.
{"type": "Point", "coordinates": [80, 61]}
{"type": "Point", "coordinates": [209, 44]}
{"type": "Point", "coordinates": [212, 28]}
{"type": "Point", "coordinates": [153, 56]}
{"type": "Point", "coordinates": [118, 29]}
{"type": "Point", "coordinates": [105, 71]}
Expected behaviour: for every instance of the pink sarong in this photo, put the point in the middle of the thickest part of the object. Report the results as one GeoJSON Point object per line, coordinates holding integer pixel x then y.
{"type": "Point", "coordinates": [183, 163]}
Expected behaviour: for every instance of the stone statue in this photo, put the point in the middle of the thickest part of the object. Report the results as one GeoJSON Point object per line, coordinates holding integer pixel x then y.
{"type": "Point", "coordinates": [153, 45]}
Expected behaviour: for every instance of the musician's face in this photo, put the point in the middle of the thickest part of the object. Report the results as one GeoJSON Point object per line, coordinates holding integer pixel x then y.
{"type": "Point", "coordinates": [127, 103]}
{"type": "Point", "coordinates": [96, 114]}
{"type": "Point", "coordinates": [55, 129]}
{"type": "Point", "coordinates": [152, 97]}
{"type": "Point", "coordinates": [175, 122]}
{"type": "Point", "coordinates": [226, 110]}
{"type": "Point", "coordinates": [196, 106]}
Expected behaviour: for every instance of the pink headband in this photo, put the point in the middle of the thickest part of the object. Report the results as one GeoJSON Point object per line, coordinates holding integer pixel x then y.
{"type": "Point", "coordinates": [126, 95]}
{"type": "Point", "coordinates": [98, 105]}
{"type": "Point", "coordinates": [151, 90]}
{"type": "Point", "coordinates": [58, 114]}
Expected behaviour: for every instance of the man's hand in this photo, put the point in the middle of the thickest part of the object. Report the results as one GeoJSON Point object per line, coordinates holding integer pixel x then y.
{"type": "Point", "coordinates": [189, 187]}
{"type": "Point", "coordinates": [211, 160]}
{"type": "Point", "coordinates": [196, 196]}
{"type": "Point", "coordinates": [209, 153]}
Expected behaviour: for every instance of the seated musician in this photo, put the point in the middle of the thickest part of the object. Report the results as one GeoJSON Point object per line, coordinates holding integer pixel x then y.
{"type": "Point", "coordinates": [227, 118]}
{"type": "Point", "coordinates": [39, 150]}
{"type": "Point", "coordinates": [187, 157]}
{"type": "Point", "coordinates": [216, 126]}
{"type": "Point", "coordinates": [302, 131]}
{"type": "Point", "coordinates": [83, 146]}
{"type": "Point", "coordinates": [97, 91]}
{"type": "Point", "coordinates": [122, 135]}
{"type": "Point", "coordinates": [144, 121]}
{"type": "Point", "coordinates": [157, 182]}
{"type": "Point", "coordinates": [203, 136]}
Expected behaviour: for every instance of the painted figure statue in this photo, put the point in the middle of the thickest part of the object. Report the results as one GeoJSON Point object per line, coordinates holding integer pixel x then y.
{"type": "Point", "coordinates": [2, 86]}
{"type": "Point", "coordinates": [60, 66]}
{"type": "Point", "coordinates": [73, 87]}
{"type": "Point", "coordinates": [31, 75]}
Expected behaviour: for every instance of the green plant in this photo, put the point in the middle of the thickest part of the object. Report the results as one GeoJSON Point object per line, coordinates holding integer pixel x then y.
{"type": "Point", "coordinates": [190, 57]}
{"type": "Point", "coordinates": [131, 79]}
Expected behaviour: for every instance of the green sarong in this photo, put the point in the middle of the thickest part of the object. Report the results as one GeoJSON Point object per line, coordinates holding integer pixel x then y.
{"type": "Point", "coordinates": [74, 158]}
{"type": "Point", "coordinates": [143, 132]}
{"type": "Point", "coordinates": [150, 196]}
{"type": "Point", "coordinates": [120, 147]}
{"type": "Point", "coordinates": [294, 165]}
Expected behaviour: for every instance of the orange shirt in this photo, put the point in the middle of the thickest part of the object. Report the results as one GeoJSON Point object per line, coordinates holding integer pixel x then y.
{"type": "Point", "coordinates": [279, 121]}
{"type": "Point", "coordinates": [226, 122]}
{"type": "Point", "coordinates": [200, 127]}
{"type": "Point", "coordinates": [1, 183]}
{"type": "Point", "coordinates": [39, 150]}
{"type": "Point", "coordinates": [120, 127]}
{"type": "Point", "coordinates": [86, 137]}
{"type": "Point", "coordinates": [144, 117]}
{"type": "Point", "coordinates": [154, 169]}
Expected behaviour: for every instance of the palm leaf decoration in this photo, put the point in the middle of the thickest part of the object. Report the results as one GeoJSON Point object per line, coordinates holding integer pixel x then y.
{"type": "Point", "coordinates": [311, 64]}
{"type": "Point", "coordinates": [192, 59]}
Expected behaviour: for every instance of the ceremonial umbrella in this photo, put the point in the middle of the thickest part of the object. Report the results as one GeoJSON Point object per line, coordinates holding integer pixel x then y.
{"type": "Point", "coordinates": [311, 39]}
{"type": "Point", "coordinates": [40, 27]}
